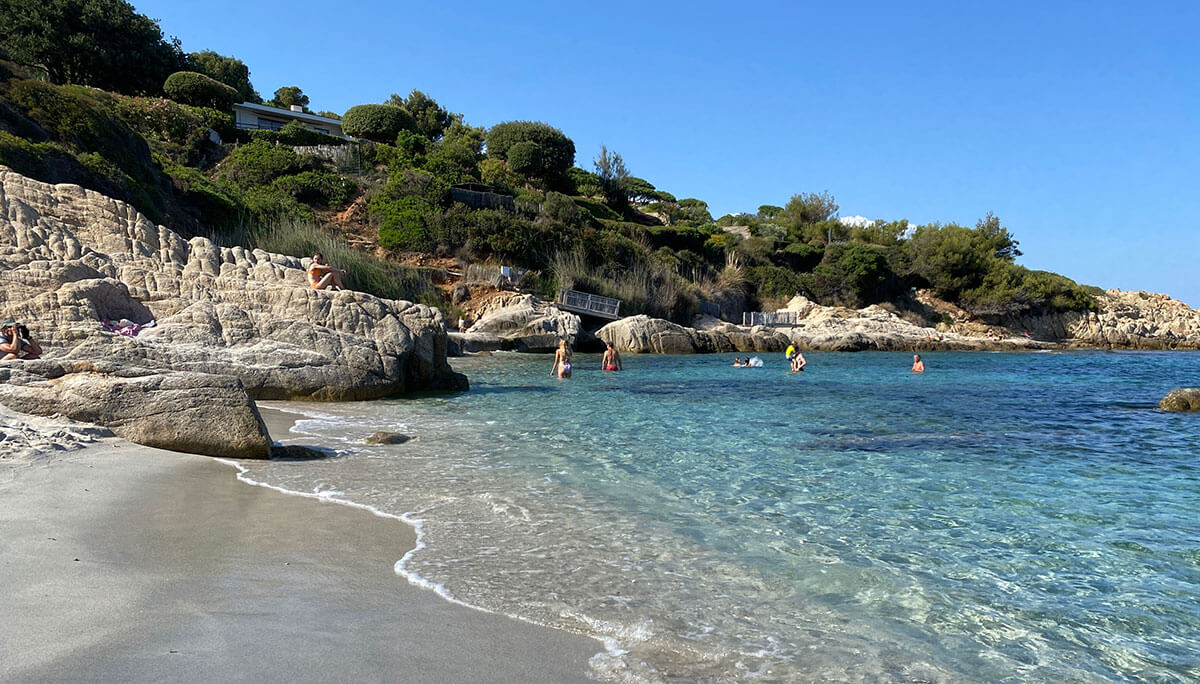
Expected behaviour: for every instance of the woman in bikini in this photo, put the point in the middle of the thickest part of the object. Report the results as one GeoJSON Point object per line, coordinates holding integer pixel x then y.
{"type": "Point", "coordinates": [611, 360]}
{"type": "Point", "coordinates": [562, 361]}
{"type": "Point", "coordinates": [323, 276]}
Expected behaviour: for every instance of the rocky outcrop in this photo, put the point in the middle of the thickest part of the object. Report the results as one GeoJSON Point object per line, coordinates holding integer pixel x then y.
{"type": "Point", "coordinates": [520, 322]}
{"type": "Point", "coordinates": [1183, 399]}
{"type": "Point", "coordinates": [196, 413]}
{"type": "Point", "coordinates": [809, 326]}
{"type": "Point", "coordinates": [71, 259]}
{"type": "Point", "coordinates": [1124, 320]}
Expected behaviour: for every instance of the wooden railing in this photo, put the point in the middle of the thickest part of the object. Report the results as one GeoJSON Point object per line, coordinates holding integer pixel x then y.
{"type": "Point", "coordinates": [593, 305]}
{"type": "Point", "coordinates": [770, 319]}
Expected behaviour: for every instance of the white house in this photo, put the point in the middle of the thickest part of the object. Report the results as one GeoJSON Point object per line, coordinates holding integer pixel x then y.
{"type": "Point", "coordinates": [250, 116]}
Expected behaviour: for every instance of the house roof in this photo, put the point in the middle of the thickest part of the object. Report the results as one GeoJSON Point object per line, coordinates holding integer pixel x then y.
{"type": "Point", "coordinates": [288, 114]}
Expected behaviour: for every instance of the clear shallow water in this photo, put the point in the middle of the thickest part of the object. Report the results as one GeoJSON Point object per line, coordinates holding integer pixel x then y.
{"type": "Point", "coordinates": [1005, 517]}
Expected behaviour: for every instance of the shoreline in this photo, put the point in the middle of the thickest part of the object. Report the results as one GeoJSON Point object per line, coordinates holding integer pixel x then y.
{"type": "Point", "coordinates": [124, 562]}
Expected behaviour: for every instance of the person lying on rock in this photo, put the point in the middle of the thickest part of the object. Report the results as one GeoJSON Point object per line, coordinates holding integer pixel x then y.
{"type": "Point", "coordinates": [322, 276]}
{"type": "Point", "coordinates": [16, 342]}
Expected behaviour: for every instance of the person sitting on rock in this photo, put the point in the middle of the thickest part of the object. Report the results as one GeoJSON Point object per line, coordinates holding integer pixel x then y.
{"type": "Point", "coordinates": [323, 276]}
{"type": "Point", "coordinates": [17, 343]}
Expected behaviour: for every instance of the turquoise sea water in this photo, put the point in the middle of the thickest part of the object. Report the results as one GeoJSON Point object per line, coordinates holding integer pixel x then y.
{"type": "Point", "coordinates": [1003, 518]}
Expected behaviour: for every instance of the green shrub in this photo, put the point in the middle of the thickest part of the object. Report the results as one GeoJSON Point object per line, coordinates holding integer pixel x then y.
{"type": "Point", "coordinates": [318, 187]}
{"type": "Point", "coordinates": [260, 162]}
{"type": "Point", "coordinates": [496, 173]}
{"type": "Point", "coordinates": [221, 122]}
{"type": "Point", "coordinates": [163, 120]}
{"type": "Point", "coordinates": [773, 282]}
{"type": "Point", "coordinates": [211, 205]}
{"type": "Point", "coordinates": [380, 123]}
{"type": "Point", "coordinates": [198, 90]}
{"type": "Point", "coordinates": [799, 256]}
{"type": "Point", "coordinates": [296, 134]}
{"type": "Point", "coordinates": [597, 209]}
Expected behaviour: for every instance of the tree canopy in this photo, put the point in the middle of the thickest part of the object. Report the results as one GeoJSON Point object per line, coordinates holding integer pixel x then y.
{"type": "Point", "coordinates": [228, 70]}
{"type": "Point", "coordinates": [432, 119]}
{"type": "Point", "coordinates": [379, 123]}
{"type": "Point", "coordinates": [287, 96]}
{"type": "Point", "coordinates": [101, 43]}
{"type": "Point", "coordinates": [555, 152]}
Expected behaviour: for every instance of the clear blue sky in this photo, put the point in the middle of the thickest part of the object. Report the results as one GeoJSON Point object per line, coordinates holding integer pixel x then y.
{"type": "Point", "coordinates": [1077, 123]}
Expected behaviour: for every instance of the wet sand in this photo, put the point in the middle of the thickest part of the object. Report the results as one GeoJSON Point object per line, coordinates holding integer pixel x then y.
{"type": "Point", "coordinates": [125, 563]}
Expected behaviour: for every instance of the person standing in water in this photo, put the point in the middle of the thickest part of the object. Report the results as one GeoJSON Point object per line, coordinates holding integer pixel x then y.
{"type": "Point", "coordinates": [918, 364]}
{"type": "Point", "coordinates": [562, 361]}
{"type": "Point", "coordinates": [611, 360]}
{"type": "Point", "coordinates": [798, 362]}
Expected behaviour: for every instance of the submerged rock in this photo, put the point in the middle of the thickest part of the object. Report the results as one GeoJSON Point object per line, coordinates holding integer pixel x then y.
{"type": "Point", "coordinates": [387, 438]}
{"type": "Point", "coordinates": [1183, 399]}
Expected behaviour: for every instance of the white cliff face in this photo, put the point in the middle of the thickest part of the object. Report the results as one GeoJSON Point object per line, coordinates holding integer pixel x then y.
{"type": "Point", "coordinates": [71, 259]}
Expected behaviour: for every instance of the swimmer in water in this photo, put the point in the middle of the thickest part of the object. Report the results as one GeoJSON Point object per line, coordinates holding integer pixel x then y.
{"type": "Point", "coordinates": [562, 361]}
{"type": "Point", "coordinates": [611, 360]}
{"type": "Point", "coordinates": [918, 364]}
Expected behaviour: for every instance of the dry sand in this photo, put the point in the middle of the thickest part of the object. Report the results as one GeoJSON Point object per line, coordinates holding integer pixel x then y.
{"type": "Point", "coordinates": [125, 563]}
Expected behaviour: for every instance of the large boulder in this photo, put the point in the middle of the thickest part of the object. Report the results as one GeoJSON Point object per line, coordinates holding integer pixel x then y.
{"type": "Point", "coordinates": [1183, 399]}
{"type": "Point", "coordinates": [522, 322]}
{"type": "Point", "coordinates": [197, 413]}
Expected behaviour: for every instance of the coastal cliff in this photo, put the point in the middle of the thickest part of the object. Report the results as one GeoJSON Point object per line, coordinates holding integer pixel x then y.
{"type": "Point", "coordinates": [109, 294]}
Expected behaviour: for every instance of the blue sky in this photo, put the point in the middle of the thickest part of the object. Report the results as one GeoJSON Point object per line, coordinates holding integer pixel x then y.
{"type": "Point", "coordinates": [1077, 123]}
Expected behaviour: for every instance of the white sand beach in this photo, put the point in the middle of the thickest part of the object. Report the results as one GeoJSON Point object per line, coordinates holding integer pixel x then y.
{"type": "Point", "coordinates": [126, 563]}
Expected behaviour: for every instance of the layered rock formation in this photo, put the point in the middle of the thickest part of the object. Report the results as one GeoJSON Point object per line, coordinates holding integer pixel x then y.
{"type": "Point", "coordinates": [73, 259]}
{"type": "Point", "coordinates": [520, 322]}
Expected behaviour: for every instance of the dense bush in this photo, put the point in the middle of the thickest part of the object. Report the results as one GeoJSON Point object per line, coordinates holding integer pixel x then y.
{"type": "Point", "coordinates": [80, 122]}
{"type": "Point", "coordinates": [207, 201]}
{"type": "Point", "coordinates": [405, 210]}
{"type": "Point", "coordinates": [799, 256]}
{"type": "Point", "coordinates": [853, 274]}
{"type": "Point", "coordinates": [177, 129]}
{"type": "Point", "coordinates": [296, 134]}
{"type": "Point", "coordinates": [198, 90]}
{"type": "Point", "coordinates": [260, 162]}
{"type": "Point", "coordinates": [318, 187]}
{"type": "Point", "coordinates": [772, 282]}
{"type": "Point", "coordinates": [543, 151]}
{"type": "Point", "coordinates": [379, 123]}
{"type": "Point", "coordinates": [1010, 290]}
{"type": "Point", "coordinates": [677, 237]}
